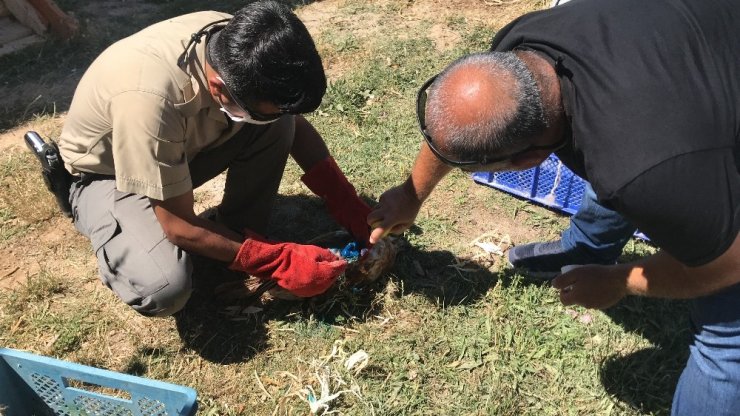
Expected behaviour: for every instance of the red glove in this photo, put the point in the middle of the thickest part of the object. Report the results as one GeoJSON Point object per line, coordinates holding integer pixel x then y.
{"type": "Point", "coordinates": [304, 270]}
{"type": "Point", "coordinates": [326, 180]}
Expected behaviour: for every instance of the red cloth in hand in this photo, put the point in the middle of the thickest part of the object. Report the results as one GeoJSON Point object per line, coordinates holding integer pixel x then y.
{"type": "Point", "coordinates": [326, 180]}
{"type": "Point", "coordinates": [304, 270]}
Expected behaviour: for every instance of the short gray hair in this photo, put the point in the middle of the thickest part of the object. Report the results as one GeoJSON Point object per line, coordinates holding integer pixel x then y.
{"type": "Point", "coordinates": [493, 133]}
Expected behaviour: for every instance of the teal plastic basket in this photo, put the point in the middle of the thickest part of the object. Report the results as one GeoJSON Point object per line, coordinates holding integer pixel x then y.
{"type": "Point", "coordinates": [36, 385]}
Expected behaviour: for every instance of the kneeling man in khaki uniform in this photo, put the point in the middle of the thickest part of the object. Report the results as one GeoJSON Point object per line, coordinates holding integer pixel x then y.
{"type": "Point", "coordinates": [161, 112]}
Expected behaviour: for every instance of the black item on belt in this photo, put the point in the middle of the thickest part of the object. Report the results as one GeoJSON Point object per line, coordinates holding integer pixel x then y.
{"type": "Point", "coordinates": [56, 177]}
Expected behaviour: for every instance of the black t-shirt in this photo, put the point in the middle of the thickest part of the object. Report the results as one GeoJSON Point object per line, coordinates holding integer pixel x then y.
{"type": "Point", "coordinates": [652, 93]}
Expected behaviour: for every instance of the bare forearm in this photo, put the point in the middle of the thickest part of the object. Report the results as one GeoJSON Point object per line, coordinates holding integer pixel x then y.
{"type": "Point", "coordinates": [208, 239]}
{"type": "Point", "coordinates": [663, 276]}
{"type": "Point", "coordinates": [194, 234]}
{"type": "Point", "coordinates": [660, 275]}
{"type": "Point", "coordinates": [426, 174]}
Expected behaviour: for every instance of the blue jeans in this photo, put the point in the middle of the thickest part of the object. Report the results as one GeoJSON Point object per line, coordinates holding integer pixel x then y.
{"type": "Point", "coordinates": [596, 233]}
{"type": "Point", "coordinates": [710, 383]}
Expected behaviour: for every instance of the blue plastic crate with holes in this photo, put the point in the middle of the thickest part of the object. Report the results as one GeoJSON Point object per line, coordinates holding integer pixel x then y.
{"type": "Point", "coordinates": [36, 385]}
{"type": "Point", "coordinates": [551, 184]}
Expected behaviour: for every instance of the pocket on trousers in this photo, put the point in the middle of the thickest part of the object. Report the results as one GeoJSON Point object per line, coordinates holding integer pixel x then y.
{"type": "Point", "coordinates": [99, 237]}
{"type": "Point", "coordinates": [132, 265]}
{"type": "Point", "coordinates": [103, 232]}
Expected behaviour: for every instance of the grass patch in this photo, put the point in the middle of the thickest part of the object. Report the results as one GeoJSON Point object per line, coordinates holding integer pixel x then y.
{"type": "Point", "coordinates": [24, 199]}
{"type": "Point", "coordinates": [37, 313]}
{"type": "Point", "coordinates": [37, 288]}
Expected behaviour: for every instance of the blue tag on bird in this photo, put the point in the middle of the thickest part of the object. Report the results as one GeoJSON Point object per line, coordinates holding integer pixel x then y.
{"type": "Point", "coordinates": [351, 251]}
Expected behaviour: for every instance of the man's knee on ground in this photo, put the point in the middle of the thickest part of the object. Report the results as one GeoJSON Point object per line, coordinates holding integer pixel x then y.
{"type": "Point", "coordinates": [169, 299]}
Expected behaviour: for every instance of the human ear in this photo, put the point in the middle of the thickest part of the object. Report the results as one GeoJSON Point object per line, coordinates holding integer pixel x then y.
{"type": "Point", "coordinates": [215, 85]}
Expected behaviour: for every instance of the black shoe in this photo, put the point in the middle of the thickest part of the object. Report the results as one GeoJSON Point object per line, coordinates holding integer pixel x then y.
{"type": "Point", "coordinates": [544, 260]}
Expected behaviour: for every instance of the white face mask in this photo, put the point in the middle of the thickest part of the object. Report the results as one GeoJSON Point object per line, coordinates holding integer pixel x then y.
{"type": "Point", "coordinates": [245, 119]}
{"type": "Point", "coordinates": [237, 119]}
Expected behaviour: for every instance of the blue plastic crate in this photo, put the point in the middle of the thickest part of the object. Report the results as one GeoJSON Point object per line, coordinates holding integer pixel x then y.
{"type": "Point", "coordinates": [551, 184]}
{"type": "Point", "coordinates": [36, 385]}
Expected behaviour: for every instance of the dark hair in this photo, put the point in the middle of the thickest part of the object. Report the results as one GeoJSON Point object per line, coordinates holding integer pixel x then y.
{"type": "Point", "coordinates": [265, 53]}
{"type": "Point", "coordinates": [494, 133]}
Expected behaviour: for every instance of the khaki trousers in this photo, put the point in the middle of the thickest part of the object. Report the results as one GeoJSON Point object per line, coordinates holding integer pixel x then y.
{"type": "Point", "coordinates": [135, 258]}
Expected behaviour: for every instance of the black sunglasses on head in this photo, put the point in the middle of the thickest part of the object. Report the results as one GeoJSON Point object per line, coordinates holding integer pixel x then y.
{"type": "Point", "coordinates": [421, 103]}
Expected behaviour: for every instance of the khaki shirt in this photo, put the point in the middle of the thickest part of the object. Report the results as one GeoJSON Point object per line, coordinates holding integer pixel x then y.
{"type": "Point", "coordinates": [139, 116]}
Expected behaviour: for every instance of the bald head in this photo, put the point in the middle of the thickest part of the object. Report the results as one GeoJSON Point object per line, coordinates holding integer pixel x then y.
{"type": "Point", "coordinates": [484, 104]}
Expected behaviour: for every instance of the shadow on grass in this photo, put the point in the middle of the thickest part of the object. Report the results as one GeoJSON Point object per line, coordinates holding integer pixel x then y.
{"type": "Point", "coordinates": [646, 379]}
{"type": "Point", "coordinates": [204, 328]}
{"type": "Point", "coordinates": [301, 218]}
{"type": "Point", "coordinates": [439, 276]}
{"type": "Point", "coordinates": [435, 274]}
{"type": "Point", "coordinates": [219, 338]}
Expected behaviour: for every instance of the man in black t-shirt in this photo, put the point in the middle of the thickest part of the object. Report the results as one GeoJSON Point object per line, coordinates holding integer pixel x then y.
{"type": "Point", "coordinates": [595, 235]}
{"type": "Point", "coordinates": [642, 100]}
